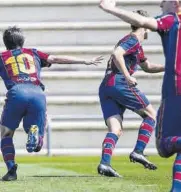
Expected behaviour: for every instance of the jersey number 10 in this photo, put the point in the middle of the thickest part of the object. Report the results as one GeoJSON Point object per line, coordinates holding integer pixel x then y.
{"type": "Point", "coordinates": [23, 63]}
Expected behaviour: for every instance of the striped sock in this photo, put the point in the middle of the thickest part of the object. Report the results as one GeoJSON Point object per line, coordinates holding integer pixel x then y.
{"type": "Point", "coordinates": [8, 151]}
{"type": "Point", "coordinates": [176, 184]}
{"type": "Point", "coordinates": [108, 146]}
{"type": "Point", "coordinates": [144, 134]}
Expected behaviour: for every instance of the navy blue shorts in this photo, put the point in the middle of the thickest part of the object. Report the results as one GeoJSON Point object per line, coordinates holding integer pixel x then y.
{"type": "Point", "coordinates": [169, 118]}
{"type": "Point", "coordinates": [116, 96]}
{"type": "Point", "coordinates": [25, 102]}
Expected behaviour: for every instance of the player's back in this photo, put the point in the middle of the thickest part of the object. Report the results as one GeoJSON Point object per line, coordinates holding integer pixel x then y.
{"type": "Point", "coordinates": [20, 66]}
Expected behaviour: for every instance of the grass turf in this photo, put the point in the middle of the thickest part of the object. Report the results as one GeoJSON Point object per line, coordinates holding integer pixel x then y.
{"type": "Point", "coordinates": [79, 174]}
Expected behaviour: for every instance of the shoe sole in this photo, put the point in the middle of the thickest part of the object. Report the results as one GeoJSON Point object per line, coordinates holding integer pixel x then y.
{"type": "Point", "coordinates": [12, 179]}
{"type": "Point", "coordinates": [147, 165]}
{"type": "Point", "coordinates": [9, 177]}
{"type": "Point", "coordinates": [105, 175]}
{"type": "Point", "coordinates": [103, 172]}
{"type": "Point", "coordinates": [32, 139]}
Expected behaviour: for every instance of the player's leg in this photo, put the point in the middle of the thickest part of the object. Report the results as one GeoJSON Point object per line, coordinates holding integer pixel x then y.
{"type": "Point", "coordinates": [176, 183]}
{"type": "Point", "coordinates": [8, 153]}
{"type": "Point", "coordinates": [146, 128]}
{"type": "Point", "coordinates": [11, 116]}
{"type": "Point", "coordinates": [168, 133]}
{"type": "Point", "coordinates": [133, 99]}
{"type": "Point", "coordinates": [114, 132]}
{"type": "Point", "coordinates": [35, 121]}
{"type": "Point", "coordinates": [145, 131]}
{"type": "Point", "coordinates": [108, 145]}
{"type": "Point", "coordinates": [111, 112]}
{"type": "Point", "coordinates": [168, 136]}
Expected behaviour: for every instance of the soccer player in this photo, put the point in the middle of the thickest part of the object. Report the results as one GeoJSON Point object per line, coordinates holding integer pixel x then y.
{"type": "Point", "coordinates": [20, 70]}
{"type": "Point", "coordinates": [118, 92]}
{"type": "Point", "coordinates": [168, 26]}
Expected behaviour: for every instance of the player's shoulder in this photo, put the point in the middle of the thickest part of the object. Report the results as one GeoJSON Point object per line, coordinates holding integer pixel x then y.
{"type": "Point", "coordinates": [165, 15]}
{"type": "Point", "coordinates": [22, 50]}
{"type": "Point", "coordinates": [25, 49]}
{"type": "Point", "coordinates": [30, 51]}
{"type": "Point", "coordinates": [129, 39]}
{"type": "Point", "coordinates": [5, 52]}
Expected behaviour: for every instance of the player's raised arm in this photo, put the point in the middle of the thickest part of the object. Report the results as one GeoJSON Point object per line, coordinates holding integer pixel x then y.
{"type": "Point", "coordinates": [118, 58]}
{"type": "Point", "coordinates": [73, 60]}
{"type": "Point", "coordinates": [128, 16]}
{"type": "Point", "coordinates": [47, 60]}
{"type": "Point", "coordinates": [152, 67]}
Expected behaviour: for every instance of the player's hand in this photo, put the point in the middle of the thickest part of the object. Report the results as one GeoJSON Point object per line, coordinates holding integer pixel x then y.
{"type": "Point", "coordinates": [131, 81]}
{"type": "Point", "coordinates": [95, 61]}
{"type": "Point", "coordinates": [106, 4]}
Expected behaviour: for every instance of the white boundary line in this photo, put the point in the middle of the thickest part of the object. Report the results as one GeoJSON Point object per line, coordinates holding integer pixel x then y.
{"type": "Point", "coordinates": [83, 151]}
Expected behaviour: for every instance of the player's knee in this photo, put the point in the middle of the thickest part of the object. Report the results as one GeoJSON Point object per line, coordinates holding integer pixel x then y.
{"type": "Point", "coordinates": [116, 130]}
{"type": "Point", "coordinates": [162, 151]}
{"type": "Point", "coordinates": [148, 112]}
{"type": "Point", "coordinates": [6, 132]}
{"type": "Point", "coordinates": [151, 114]}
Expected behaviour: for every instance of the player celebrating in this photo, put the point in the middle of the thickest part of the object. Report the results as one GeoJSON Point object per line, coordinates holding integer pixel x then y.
{"type": "Point", "coordinates": [20, 70]}
{"type": "Point", "coordinates": [168, 25]}
{"type": "Point", "coordinates": [118, 92]}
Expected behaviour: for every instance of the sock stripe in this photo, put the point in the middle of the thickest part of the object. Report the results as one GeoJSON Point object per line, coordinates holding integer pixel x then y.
{"type": "Point", "coordinates": [108, 146]}
{"type": "Point", "coordinates": [177, 176]}
{"type": "Point", "coordinates": [143, 138]}
{"type": "Point", "coordinates": [147, 127]}
{"type": "Point", "coordinates": [9, 156]}
{"type": "Point", "coordinates": [144, 132]}
{"type": "Point", "coordinates": [109, 141]}
{"type": "Point", "coordinates": [174, 139]}
{"type": "Point", "coordinates": [107, 151]}
{"type": "Point", "coordinates": [178, 162]}
{"type": "Point", "coordinates": [8, 151]}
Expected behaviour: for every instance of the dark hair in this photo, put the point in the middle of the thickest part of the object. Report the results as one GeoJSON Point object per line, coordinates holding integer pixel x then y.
{"type": "Point", "coordinates": [13, 38]}
{"type": "Point", "coordinates": [141, 12]}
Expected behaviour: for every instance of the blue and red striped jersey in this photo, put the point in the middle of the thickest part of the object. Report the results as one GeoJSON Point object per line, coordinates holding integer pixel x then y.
{"type": "Point", "coordinates": [22, 66]}
{"type": "Point", "coordinates": [169, 28]}
{"type": "Point", "coordinates": [133, 57]}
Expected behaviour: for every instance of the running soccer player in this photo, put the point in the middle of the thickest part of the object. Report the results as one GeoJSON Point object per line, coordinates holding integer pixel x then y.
{"type": "Point", "coordinates": [20, 70]}
{"type": "Point", "coordinates": [118, 92]}
{"type": "Point", "coordinates": [168, 26]}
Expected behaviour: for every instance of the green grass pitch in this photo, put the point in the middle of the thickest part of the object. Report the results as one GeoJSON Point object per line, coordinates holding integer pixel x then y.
{"type": "Point", "coordinates": [79, 174]}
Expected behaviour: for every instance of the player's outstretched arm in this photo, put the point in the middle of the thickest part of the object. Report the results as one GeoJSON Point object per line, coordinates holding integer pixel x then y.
{"type": "Point", "coordinates": [118, 58]}
{"type": "Point", "coordinates": [73, 60]}
{"type": "Point", "coordinates": [151, 67]}
{"type": "Point", "coordinates": [128, 16]}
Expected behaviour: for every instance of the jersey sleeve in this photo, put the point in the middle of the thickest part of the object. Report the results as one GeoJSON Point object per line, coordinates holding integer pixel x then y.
{"type": "Point", "coordinates": [141, 55]}
{"type": "Point", "coordinates": [130, 45]}
{"type": "Point", "coordinates": [43, 57]}
{"type": "Point", "coordinates": [165, 22]}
